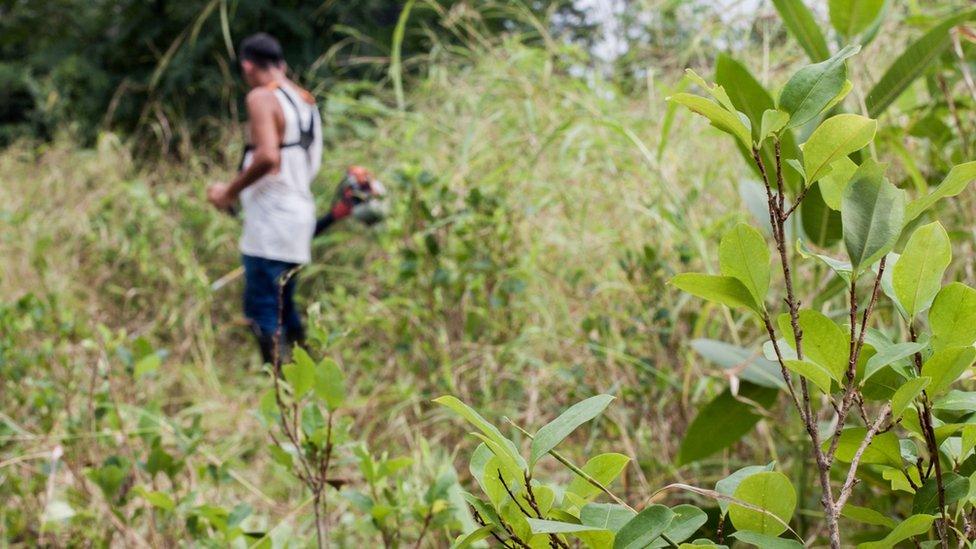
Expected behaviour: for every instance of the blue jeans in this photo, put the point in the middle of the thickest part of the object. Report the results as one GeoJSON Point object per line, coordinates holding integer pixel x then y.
{"type": "Point", "coordinates": [265, 301]}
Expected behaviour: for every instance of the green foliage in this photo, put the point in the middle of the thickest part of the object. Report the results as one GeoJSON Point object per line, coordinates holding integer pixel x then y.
{"type": "Point", "coordinates": [872, 211]}
{"type": "Point", "coordinates": [815, 88]}
{"type": "Point", "coordinates": [523, 511]}
{"type": "Point", "coordinates": [644, 528]}
{"type": "Point", "coordinates": [522, 268]}
{"type": "Point", "coordinates": [917, 277]}
{"type": "Point", "coordinates": [771, 499]}
{"type": "Point", "coordinates": [946, 365]}
{"type": "Point", "coordinates": [912, 63]}
{"type": "Point", "coordinates": [554, 432]}
{"type": "Point", "coordinates": [726, 290]}
{"type": "Point", "coordinates": [857, 362]}
{"type": "Point", "coordinates": [852, 17]}
{"type": "Point", "coordinates": [719, 115]}
{"type": "Point", "coordinates": [743, 255]}
{"type": "Point", "coordinates": [954, 183]}
{"type": "Point", "coordinates": [835, 138]}
{"type": "Point", "coordinates": [798, 19]}
{"type": "Point", "coordinates": [912, 526]}
{"type": "Point", "coordinates": [724, 421]}
{"type": "Point", "coordinates": [953, 316]}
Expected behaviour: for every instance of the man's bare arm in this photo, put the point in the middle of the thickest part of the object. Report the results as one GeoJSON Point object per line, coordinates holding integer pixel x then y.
{"type": "Point", "coordinates": [265, 136]}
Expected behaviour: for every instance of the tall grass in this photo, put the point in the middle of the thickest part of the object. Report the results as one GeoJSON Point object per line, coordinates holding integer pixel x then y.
{"type": "Point", "coordinates": [554, 227]}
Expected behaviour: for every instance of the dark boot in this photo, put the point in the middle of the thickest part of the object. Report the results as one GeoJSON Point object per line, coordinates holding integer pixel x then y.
{"type": "Point", "coordinates": [266, 343]}
{"type": "Point", "coordinates": [296, 337]}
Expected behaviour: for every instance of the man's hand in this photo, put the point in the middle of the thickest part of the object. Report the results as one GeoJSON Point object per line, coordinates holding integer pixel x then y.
{"type": "Point", "coordinates": [220, 195]}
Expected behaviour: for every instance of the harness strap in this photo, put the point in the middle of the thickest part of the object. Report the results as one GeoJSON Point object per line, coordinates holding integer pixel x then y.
{"type": "Point", "coordinates": [306, 135]}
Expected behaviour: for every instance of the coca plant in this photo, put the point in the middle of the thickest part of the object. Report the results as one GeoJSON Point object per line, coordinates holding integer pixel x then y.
{"type": "Point", "coordinates": [872, 373]}
{"type": "Point", "coordinates": [519, 510]}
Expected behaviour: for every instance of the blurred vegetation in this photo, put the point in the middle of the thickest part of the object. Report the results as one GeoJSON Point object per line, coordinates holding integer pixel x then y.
{"type": "Point", "coordinates": [542, 196]}
{"type": "Point", "coordinates": [167, 69]}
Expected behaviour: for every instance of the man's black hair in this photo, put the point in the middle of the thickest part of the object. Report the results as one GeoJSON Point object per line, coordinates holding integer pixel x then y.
{"type": "Point", "coordinates": [261, 49]}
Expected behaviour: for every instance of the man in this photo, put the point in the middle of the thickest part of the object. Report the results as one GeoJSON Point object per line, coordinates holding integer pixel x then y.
{"type": "Point", "coordinates": [282, 157]}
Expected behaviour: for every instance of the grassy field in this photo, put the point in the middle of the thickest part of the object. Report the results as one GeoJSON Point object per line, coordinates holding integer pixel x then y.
{"type": "Point", "coordinates": [556, 222]}
{"type": "Point", "coordinates": [536, 219]}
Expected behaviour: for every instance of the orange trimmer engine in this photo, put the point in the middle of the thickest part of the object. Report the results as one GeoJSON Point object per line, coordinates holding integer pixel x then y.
{"type": "Point", "coordinates": [358, 194]}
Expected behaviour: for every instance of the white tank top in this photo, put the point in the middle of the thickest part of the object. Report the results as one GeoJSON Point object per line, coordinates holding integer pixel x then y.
{"type": "Point", "coordinates": [278, 209]}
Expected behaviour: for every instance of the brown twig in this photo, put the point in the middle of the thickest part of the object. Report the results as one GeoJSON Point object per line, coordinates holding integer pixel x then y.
{"type": "Point", "coordinates": [856, 344]}
{"type": "Point", "coordinates": [851, 480]}
{"type": "Point", "coordinates": [925, 419]}
{"type": "Point", "coordinates": [778, 217]}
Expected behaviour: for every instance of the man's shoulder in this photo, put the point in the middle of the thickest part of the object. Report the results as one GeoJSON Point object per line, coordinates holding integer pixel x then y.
{"type": "Point", "coordinates": [261, 97]}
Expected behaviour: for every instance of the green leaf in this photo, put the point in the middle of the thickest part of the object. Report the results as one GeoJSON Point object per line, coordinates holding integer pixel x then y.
{"type": "Point", "coordinates": [889, 354]}
{"type": "Point", "coordinates": [836, 137]}
{"type": "Point", "coordinates": [821, 225]}
{"type": "Point", "coordinates": [866, 515]}
{"type": "Point", "coordinates": [751, 99]}
{"type": "Point", "coordinates": [747, 95]}
{"type": "Point", "coordinates": [607, 516]}
{"type": "Point", "coordinates": [330, 384]}
{"type": "Point", "coordinates": [644, 528]}
{"type": "Point", "coordinates": [747, 365]}
{"type": "Point", "coordinates": [719, 117]}
{"type": "Point", "coordinates": [542, 526]}
{"type": "Point", "coordinates": [917, 277]}
{"type": "Point", "coordinates": [899, 481]}
{"type": "Point", "coordinates": [851, 17]}
{"type": "Point", "coordinates": [472, 538]}
{"type": "Point", "coordinates": [956, 401]}
{"type": "Point", "coordinates": [953, 316]}
{"type": "Point", "coordinates": [147, 365]}
{"type": "Point", "coordinates": [926, 499]}
{"type": "Point", "coordinates": [687, 520]}
{"type": "Point", "coordinates": [729, 484]}
{"type": "Point", "coordinates": [814, 87]}
{"type": "Point", "coordinates": [872, 211]}
{"type": "Point", "coordinates": [842, 268]}
{"type": "Point", "coordinates": [913, 62]}
{"type": "Point", "coordinates": [160, 500]}
{"type": "Point", "coordinates": [832, 184]}
{"type": "Point", "coordinates": [716, 91]}
{"type": "Point", "coordinates": [723, 421]}
{"type": "Point", "coordinates": [743, 254]}
{"type": "Point", "coordinates": [766, 542]}
{"type": "Point", "coordinates": [803, 27]}
{"type": "Point", "coordinates": [945, 366]}
{"type": "Point", "coordinates": [489, 430]}
{"type": "Point", "coordinates": [954, 183]}
{"type": "Point", "coordinates": [824, 341]}
{"type": "Point", "coordinates": [912, 526]}
{"type": "Point", "coordinates": [773, 120]}
{"type": "Point", "coordinates": [770, 491]}
{"type": "Point", "coordinates": [300, 374]}
{"type": "Point", "coordinates": [967, 445]}
{"type": "Point", "coordinates": [884, 448]}
{"type": "Point", "coordinates": [819, 375]}
{"type": "Point", "coordinates": [604, 468]}
{"type": "Point", "coordinates": [553, 433]}
{"type": "Point", "coordinates": [906, 394]}
{"type": "Point", "coordinates": [726, 290]}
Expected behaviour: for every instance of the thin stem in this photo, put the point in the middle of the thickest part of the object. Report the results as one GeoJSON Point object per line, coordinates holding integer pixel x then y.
{"type": "Point", "coordinates": [787, 377]}
{"type": "Point", "coordinates": [777, 218]}
{"type": "Point", "coordinates": [856, 344]}
{"type": "Point", "coordinates": [925, 418]}
{"type": "Point", "coordinates": [851, 480]}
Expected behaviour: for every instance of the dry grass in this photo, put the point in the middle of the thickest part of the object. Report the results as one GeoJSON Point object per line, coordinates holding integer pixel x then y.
{"type": "Point", "coordinates": [129, 251]}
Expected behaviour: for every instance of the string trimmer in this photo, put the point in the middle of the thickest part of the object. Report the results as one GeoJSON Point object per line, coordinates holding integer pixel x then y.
{"type": "Point", "coordinates": [358, 194]}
